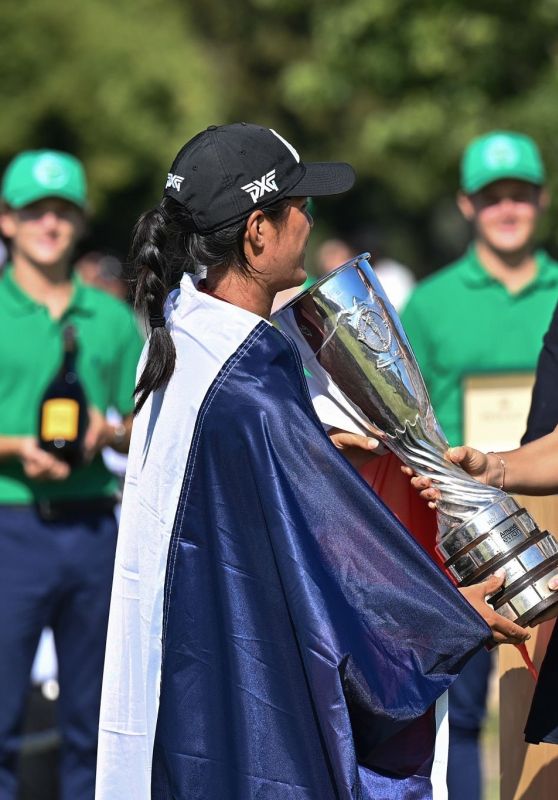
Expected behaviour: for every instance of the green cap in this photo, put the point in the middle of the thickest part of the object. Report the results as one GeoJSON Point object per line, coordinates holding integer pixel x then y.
{"type": "Point", "coordinates": [35, 174]}
{"type": "Point", "coordinates": [499, 155]}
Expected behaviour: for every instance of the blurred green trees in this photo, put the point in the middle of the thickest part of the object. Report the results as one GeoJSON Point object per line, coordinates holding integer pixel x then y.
{"type": "Point", "coordinates": [394, 86]}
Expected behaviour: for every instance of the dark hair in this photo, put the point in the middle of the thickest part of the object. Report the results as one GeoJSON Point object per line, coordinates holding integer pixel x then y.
{"type": "Point", "coordinates": [163, 248]}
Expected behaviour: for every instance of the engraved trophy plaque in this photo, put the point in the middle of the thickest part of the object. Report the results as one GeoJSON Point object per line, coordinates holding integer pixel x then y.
{"type": "Point", "coordinates": [354, 348]}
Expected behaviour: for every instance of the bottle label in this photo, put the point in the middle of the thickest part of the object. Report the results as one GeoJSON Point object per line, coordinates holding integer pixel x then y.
{"type": "Point", "coordinates": [60, 419]}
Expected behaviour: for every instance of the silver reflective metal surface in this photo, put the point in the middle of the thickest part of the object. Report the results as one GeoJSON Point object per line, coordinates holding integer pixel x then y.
{"type": "Point", "coordinates": [354, 347]}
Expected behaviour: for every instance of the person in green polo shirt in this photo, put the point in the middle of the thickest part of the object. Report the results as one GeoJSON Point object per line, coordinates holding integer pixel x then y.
{"type": "Point", "coordinates": [486, 312]}
{"type": "Point", "coordinates": [57, 527]}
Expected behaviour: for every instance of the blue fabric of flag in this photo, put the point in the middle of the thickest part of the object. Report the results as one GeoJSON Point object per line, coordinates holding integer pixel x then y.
{"type": "Point", "coordinates": [306, 635]}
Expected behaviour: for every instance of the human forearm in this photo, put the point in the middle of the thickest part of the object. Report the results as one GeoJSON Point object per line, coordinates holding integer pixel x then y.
{"type": "Point", "coordinates": [37, 464]}
{"type": "Point", "coordinates": [533, 468]}
{"type": "Point", "coordinates": [120, 435]}
{"type": "Point", "coordinates": [11, 446]}
{"type": "Point", "coordinates": [102, 433]}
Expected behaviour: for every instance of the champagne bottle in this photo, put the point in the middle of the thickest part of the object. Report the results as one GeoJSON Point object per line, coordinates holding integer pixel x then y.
{"type": "Point", "coordinates": [63, 413]}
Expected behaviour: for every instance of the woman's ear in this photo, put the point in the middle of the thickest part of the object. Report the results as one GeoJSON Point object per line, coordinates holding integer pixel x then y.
{"type": "Point", "coordinates": [256, 230]}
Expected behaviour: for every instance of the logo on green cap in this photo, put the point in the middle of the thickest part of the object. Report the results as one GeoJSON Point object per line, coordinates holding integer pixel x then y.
{"type": "Point", "coordinates": [51, 171]}
{"type": "Point", "coordinates": [501, 153]}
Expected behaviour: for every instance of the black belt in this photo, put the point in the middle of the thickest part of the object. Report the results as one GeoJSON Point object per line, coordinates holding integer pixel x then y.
{"type": "Point", "coordinates": [67, 509]}
{"type": "Point", "coordinates": [52, 510]}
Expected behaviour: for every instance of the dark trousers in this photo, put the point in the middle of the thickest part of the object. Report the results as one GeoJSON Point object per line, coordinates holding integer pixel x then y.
{"type": "Point", "coordinates": [55, 574]}
{"type": "Point", "coordinates": [467, 709]}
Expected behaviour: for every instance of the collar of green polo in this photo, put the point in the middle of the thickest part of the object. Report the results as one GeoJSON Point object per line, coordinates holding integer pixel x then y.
{"type": "Point", "coordinates": [476, 275]}
{"type": "Point", "coordinates": [22, 303]}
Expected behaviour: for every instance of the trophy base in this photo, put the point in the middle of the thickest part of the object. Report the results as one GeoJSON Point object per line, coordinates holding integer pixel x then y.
{"type": "Point", "coordinates": [523, 602]}
{"type": "Point", "coordinates": [505, 536]}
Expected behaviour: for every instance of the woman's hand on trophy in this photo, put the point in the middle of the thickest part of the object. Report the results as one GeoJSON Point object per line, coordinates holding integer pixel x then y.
{"type": "Point", "coordinates": [503, 630]}
{"type": "Point", "coordinates": [426, 487]}
{"type": "Point", "coordinates": [484, 467]}
{"type": "Point", "coordinates": [356, 448]}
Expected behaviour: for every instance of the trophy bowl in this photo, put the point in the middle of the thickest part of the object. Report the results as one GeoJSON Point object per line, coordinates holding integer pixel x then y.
{"type": "Point", "coordinates": [355, 353]}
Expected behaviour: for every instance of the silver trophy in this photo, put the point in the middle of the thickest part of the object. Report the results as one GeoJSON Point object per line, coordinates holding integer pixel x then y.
{"type": "Point", "coordinates": [356, 353]}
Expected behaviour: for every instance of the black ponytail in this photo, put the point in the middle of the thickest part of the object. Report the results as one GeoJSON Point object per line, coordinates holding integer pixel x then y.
{"type": "Point", "coordinates": [163, 248]}
{"type": "Point", "coordinates": [153, 277]}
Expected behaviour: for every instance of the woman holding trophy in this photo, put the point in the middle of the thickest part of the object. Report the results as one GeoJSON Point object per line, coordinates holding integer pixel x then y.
{"type": "Point", "coordinates": [274, 631]}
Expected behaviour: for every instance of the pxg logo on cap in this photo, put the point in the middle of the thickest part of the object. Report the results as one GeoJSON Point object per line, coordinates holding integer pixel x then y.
{"type": "Point", "coordinates": [258, 188]}
{"type": "Point", "coordinates": [174, 181]}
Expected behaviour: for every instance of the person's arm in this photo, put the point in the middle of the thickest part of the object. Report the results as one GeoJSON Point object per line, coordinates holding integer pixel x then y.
{"type": "Point", "coordinates": [102, 433]}
{"type": "Point", "coordinates": [531, 469]}
{"type": "Point", "coordinates": [124, 382]}
{"type": "Point", "coordinates": [37, 463]}
{"type": "Point", "coordinates": [11, 446]}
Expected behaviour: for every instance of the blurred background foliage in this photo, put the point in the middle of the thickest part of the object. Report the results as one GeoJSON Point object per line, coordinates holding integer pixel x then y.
{"type": "Point", "coordinates": [396, 87]}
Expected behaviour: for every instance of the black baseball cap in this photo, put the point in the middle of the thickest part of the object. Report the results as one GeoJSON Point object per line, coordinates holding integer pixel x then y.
{"type": "Point", "coordinates": [227, 171]}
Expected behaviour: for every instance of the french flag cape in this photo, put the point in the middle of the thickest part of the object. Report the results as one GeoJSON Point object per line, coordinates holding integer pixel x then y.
{"type": "Point", "coordinates": [275, 633]}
